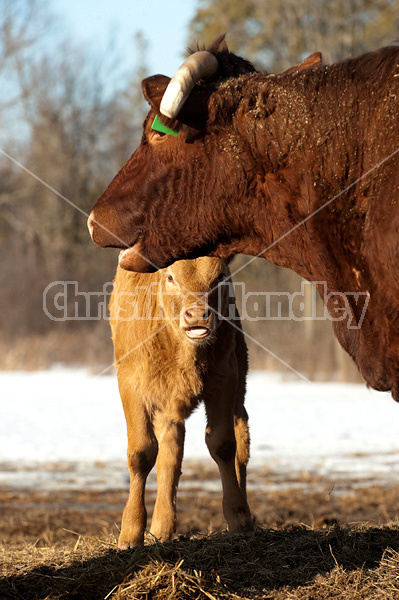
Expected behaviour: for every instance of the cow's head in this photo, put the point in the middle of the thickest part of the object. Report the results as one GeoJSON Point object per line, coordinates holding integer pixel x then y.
{"type": "Point", "coordinates": [190, 194]}
{"type": "Point", "coordinates": [192, 298]}
{"type": "Point", "coordinates": [174, 197]}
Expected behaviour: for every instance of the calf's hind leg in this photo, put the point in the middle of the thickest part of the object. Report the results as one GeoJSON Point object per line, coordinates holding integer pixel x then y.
{"type": "Point", "coordinates": [241, 431]}
{"type": "Point", "coordinates": [141, 456]}
{"type": "Point", "coordinates": [221, 442]}
{"type": "Point", "coordinates": [170, 436]}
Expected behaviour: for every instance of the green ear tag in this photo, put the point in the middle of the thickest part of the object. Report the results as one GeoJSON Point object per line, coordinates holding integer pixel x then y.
{"type": "Point", "coordinates": [157, 125]}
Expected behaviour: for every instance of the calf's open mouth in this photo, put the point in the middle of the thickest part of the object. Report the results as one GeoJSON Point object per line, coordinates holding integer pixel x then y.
{"type": "Point", "coordinates": [197, 333]}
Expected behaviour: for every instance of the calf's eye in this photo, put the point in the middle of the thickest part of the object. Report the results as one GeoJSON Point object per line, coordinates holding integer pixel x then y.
{"type": "Point", "coordinates": [170, 277]}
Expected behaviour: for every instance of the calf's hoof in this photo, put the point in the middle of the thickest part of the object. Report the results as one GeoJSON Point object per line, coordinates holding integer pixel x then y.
{"type": "Point", "coordinates": [239, 520]}
{"type": "Point", "coordinates": [126, 542]}
{"type": "Point", "coordinates": [248, 533]}
{"type": "Point", "coordinates": [163, 534]}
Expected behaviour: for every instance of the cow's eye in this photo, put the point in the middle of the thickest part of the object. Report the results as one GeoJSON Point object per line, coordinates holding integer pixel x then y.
{"type": "Point", "coordinates": [157, 135]}
{"type": "Point", "coordinates": [170, 278]}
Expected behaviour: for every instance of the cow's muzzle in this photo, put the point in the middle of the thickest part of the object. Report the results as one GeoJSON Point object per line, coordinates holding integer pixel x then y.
{"type": "Point", "coordinates": [105, 235]}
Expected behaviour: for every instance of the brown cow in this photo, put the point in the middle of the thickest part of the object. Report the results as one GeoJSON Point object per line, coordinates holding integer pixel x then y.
{"type": "Point", "coordinates": [301, 168]}
{"type": "Point", "coordinates": [173, 349]}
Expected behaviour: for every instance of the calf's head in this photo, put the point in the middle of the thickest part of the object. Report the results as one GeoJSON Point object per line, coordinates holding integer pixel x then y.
{"type": "Point", "coordinates": [193, 299]}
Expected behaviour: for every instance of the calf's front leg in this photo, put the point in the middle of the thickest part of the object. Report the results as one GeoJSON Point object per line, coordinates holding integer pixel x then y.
{"type": "Point", "coordinates": [141, 456]}
{"type": "Point", "coordinates": [170, 435]}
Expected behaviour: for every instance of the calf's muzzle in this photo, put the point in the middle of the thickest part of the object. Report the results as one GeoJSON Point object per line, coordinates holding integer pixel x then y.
{"type": "Point", "coordinates": [195, 315]}
{"type": "Point", "coordinates": [197, 323]}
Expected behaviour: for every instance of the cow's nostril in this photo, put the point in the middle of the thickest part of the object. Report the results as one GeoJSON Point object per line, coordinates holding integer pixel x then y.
{"type": "Point", "coordinates": [188, 314]}
{"type": "Point", "coordinates": [207, 314]}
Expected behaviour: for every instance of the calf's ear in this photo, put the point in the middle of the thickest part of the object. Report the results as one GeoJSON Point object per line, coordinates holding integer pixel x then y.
{"type": "Point", "coordinates": [194, 111]}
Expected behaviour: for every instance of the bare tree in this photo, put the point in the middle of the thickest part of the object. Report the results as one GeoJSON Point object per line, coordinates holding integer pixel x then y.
{"type": "Point", "coordinates": [24, 25]}
{"type": "Point", "coordinates": [79, 120]}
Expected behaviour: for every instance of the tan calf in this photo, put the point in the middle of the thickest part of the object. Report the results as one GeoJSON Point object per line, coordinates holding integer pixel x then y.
{"type": "Point", "coordinates": [172, 351]}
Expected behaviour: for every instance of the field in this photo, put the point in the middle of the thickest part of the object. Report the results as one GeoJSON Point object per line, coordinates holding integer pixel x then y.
{"type": "Point", "coordinates": [322, 489]}
{"type": "Point", "coordinates": [313, 540]}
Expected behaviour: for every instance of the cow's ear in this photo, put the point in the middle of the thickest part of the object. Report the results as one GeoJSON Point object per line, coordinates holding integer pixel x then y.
{"type": "Point", "coordinates": [194, 111]}
{"type": "Point", "coordinates": [311, 62]}
{"type": "Point", "coordinates": [154, 88]}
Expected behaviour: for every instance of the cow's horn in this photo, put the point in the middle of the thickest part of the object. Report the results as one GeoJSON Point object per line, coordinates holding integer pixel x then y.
{"type": "Point", "coordinates": [199, 65]}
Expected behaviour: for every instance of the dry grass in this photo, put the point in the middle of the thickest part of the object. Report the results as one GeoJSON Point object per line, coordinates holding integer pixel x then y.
{"type": "Point", "coordinates": [293, 563]}
{"type": "Point", "coordinates": [307, 548]}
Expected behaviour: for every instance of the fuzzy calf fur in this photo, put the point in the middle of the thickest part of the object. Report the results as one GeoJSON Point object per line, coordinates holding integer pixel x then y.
{"type": "Point", "coordinates": [172, 351]}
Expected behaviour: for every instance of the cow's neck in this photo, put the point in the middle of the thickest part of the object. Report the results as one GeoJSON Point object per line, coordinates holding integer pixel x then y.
{"type": "Point", "coordinates": [305, 162]}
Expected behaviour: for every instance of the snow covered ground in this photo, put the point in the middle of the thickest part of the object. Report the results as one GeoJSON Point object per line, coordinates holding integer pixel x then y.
{"type": "Point", "coordinates": [62, 428]}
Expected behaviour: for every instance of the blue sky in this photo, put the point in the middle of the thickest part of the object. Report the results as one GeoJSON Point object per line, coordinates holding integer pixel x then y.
{"type": "Point", "coordinates": [164, 25]}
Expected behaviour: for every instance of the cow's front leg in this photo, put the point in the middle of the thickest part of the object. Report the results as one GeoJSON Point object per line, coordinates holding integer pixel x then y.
{"type": "Point", "coordinates": [141, 455]}
{"type": "Point", "coordinates": [170, 436]}
{"type": "Point", "coordinates": [222, 446]}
